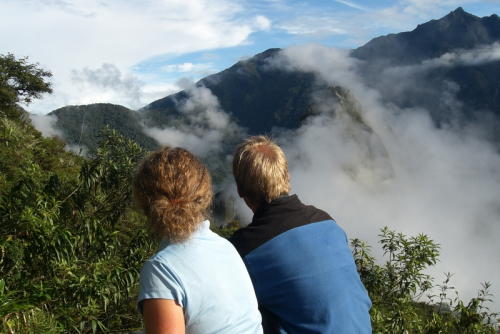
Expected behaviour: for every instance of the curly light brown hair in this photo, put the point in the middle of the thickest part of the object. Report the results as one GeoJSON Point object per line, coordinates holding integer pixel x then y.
{"type": "Point", "coordinates": [260, 170]}
{"type": "Point", "coordinates": [174, 189]}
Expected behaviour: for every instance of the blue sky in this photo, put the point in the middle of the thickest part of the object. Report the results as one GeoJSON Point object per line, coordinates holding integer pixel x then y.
{"type": "Point", "coordinates": [134, 52]}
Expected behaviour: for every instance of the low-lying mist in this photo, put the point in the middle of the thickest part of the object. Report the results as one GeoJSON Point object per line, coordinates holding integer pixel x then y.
{"type": "Point", "coordinates": [204, 127]}
{"type": "Point", "coordinates": [445, 181]}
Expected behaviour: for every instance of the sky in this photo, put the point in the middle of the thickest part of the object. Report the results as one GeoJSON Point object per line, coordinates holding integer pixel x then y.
{"type": "Point", "coordinates": [407, 174]}
{"type": "Point", "coordinates": [134, 52]}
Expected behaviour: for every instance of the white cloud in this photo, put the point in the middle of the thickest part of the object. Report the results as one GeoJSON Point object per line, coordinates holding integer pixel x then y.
{"type": "Point", "coordinates": [445, 182]}
{"type": "Point", "coordinates": [108, 83]}
{"type": "Point", "coordinates": [71, 34]}
{"type": "Point", "coordinates": [156, 91]}
{"type": "Point", "coordinates": [206, 124]}
{"type": "Point", "coordinates": [189, 67]}
{"type": "Point", "coordinates": [262, 23]}
{"type": "Point", "coordinates": [351, 4]}
{"type": "Point", "coordinates": [312, 26]}
{"type": "Point", "coordinates": [46, 125]}
{"type": "Point", "coordinates": [424, 8]}
{"type": "Point", "coordinates": [478, 56]}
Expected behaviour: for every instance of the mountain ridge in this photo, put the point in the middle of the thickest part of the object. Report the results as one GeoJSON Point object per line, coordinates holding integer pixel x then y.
{"type": "Point", "coordinates": [260, 98]}
{"type": "Point", "coordinates": [457, 30]}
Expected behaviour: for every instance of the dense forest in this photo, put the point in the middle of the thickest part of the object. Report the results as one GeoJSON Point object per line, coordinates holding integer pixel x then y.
{"type": "Point", "coordinates": [80, 124]}
{"type": "Point", "coordinates": [72, 242]}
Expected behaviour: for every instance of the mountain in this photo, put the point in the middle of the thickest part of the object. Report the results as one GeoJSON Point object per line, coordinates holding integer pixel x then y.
{"type": "Point", "coordinates": [455, 41]}
{"type": "Point", "coordinates": [402, 66]}
{"type": "Point", "coordinates": [406, 68]}
{"type": "Point", "coordinates": [257, 96]}
{"type": "Point", "coordinates": [80, 125]}
{"type": "Point", "coordinates": [457, 30]}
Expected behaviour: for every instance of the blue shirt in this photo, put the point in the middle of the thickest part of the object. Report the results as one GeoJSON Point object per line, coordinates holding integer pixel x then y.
{"type": "Point", "coordinates": [302, 270]}
{"type": "Point", "coordinates": [208, 279]}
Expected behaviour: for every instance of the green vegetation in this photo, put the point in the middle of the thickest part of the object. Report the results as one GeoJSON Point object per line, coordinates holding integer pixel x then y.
{"type": "Point", "coordinates": [225, 231]}
{"type": "Point", "coordinates": [20, 82]}
{"type": "Point", "coordinates": [81, 124]}
{"type": "Point", "coordinates": [396, 287]}
{"type": "Point", "coordinates": [71, 242]}
{"type": "Point", "coordinates": [71, 248]}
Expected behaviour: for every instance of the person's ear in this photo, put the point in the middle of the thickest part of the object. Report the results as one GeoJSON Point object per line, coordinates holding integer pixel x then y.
{"type": "Point", "coordinates": [288, 177]}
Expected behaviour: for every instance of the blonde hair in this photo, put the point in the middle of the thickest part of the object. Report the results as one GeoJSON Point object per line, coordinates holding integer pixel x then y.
{"type": "Point", "coordinates": [174, 189]}
{"type": "Point", "coordinates": [260, 170]}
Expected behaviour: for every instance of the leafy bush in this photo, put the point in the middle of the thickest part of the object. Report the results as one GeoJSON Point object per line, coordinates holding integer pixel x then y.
{"type": "Point", "coordinates": [396, 287]}
{"type": "Point", "coordinates": [225, 231]}
{"type": "Point", "coordinates": [72, 249]}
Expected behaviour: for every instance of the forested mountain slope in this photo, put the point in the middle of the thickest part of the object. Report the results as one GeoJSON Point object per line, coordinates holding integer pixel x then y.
{"type": "Point", "coordinates": [81, 124]}
{"type": "Point", "coordinates": [454, 53]}
{"type": "Point", "coordinates": [257, 96]}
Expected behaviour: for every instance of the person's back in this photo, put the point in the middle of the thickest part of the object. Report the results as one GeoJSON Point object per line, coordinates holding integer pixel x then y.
{"type": "Point", "coordinates": [196, 283]}
{"type": "Point", "coordinates": [302, 270]}
{"type": "Point", "coordinates": [208, 280]}
{"type": "Point", "coordinates": [297, 256]}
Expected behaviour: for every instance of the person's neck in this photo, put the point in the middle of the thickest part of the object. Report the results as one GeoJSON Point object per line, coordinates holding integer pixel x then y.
{"type": "Point", "coordinates": [252, 205]}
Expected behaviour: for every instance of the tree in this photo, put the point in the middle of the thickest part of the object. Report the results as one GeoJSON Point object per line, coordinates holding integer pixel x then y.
{"type": "Point", "coordinates": [20, 82]}
{"type": "Point", "coordinates": [71, 249]}
{"type": "Point", "coordinates": [396, 286]}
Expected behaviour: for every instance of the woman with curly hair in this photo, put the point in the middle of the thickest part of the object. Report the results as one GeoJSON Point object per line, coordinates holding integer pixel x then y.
{"type": "Point", "coordinates": [197, 282]}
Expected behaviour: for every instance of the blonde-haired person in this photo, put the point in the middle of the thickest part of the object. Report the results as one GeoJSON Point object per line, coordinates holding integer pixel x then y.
{"type": "Point", "coordinates": [297, 256]}
{"type": "Point", "coordinates": [260, 170]}
{"type": "Point", "coordinates": [196, 283]}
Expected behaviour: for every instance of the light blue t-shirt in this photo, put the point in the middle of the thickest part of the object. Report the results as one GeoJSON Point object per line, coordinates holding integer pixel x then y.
{"type": "Point", "coordinates": [208, 279]}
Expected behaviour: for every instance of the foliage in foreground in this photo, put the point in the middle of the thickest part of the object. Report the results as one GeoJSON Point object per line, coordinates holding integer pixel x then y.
{"type": "Point", "coordinates": [396, 286]}
{"type": "Point", "coordinates": [20, 82]}
{"type": "Point", "coordinates": [71, 249]}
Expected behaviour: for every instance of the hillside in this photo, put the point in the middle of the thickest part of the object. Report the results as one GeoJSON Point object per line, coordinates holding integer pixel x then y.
{"type": "Point", "coordinates": [402, 67]}
{"type": "Point", "coordinates": [259, 98]}
{"type": "Point", "coordinates": [456, 42]}
{"type": "Point", "coordinates": [81, 124]}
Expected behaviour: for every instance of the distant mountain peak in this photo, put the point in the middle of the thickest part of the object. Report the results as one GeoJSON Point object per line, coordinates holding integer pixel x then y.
{"type": "Point", "coordinates": [460, 11]}
{"type": "Point", "coordinates": [459, 14]}
{"type": "Point", "coordinates": [457, 30]}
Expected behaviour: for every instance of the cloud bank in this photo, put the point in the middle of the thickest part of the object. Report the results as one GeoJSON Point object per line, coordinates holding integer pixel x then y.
{"type": "Point", "coordinates": [107, 83]}
{"type": "Point", "coordinates": [46, 125]}
{"type": "Point", "coordinates": [203, 126]}
{"type": "Point", "coordinates": [445, 184]}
